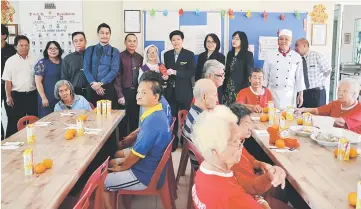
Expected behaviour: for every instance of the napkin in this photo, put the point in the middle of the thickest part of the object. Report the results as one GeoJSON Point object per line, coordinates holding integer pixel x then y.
{"type": "Point", "coordinates": [11, 145]}
{"type": "Point", "coordinates": [281, 150]}
{"type": "Point", "coordinates": [322, 122]}
{"type": "Point", "coordinates": [94, 131]}
{"type": "Point", "coordinates": [261, 132]}
{"type": "Point", "coordinates": [255, 118]}
{"type": "Point", "coordinates": [67, 113]}
{"type": "Point", "coordinates": [39, 123]}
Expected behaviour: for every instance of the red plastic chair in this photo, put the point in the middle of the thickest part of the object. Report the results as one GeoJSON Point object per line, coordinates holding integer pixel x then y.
{"type": "Point", "coordinates": [163, 192]}
{"type": "Point", "coordinates": [200, 159]}
{"type": "Point", "coordinates": [172, 126]}
{"type": "Point", "coordinates": [91, 105]}
{"type": "Point", "coordinates": [26, 120]}
{"type": "Point", "coordinates": [182, 115]}
{"type": "Point", "coordinates": [94, 183]}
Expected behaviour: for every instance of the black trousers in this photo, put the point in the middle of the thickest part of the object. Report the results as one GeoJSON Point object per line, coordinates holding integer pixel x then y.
{"type": "Point", "coordinates": [25, 103]}
{"type": "Point", "coordinates": [176, 106]}
{"type": "Point", "coordinates": [93, 97]}
{"type": "Point", "coordinates": [81, 91]}
{"type": "Point", "coordinates": [130, 121]}
{"type": "Point", "coordinates": [315, 97]}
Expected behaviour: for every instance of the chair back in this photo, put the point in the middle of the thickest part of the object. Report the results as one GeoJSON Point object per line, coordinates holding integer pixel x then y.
{"type": "Point", "coordinates": [26, 120]}
{"type": "Point", "coordinates": [91, 105]}
{"type": "Point", "coordinates": [172, 126]}
{"type": "Point", "coordinates": [182, 116]}
{"type": "Point", "coordinates": [93, 182]}
{"type": "Point", "coordinates": [163, 162]}
{"type": "Point", "coordinates": [194, 149]}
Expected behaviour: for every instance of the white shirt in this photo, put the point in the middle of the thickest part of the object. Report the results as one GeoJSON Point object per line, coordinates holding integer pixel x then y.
{"type": "Point", "coordinates": [20, 72]}
{"type": "Point", "coordinates": [317, 67]}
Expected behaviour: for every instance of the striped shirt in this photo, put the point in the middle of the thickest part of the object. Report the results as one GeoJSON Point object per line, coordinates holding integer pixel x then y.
{"type": "Point", "coordinates": [317, 68]}
{"type": "Point", "coordinates": [188, 128]}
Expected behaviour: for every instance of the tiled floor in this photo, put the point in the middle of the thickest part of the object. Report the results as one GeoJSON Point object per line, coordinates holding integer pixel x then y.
{"type": "Point", "coordinates": [153, 202]}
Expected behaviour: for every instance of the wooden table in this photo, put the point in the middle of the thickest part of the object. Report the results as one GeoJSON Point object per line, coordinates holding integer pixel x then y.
{"type": "Point", "coordinates": [70, 157]}
{"type": "Point", "coordinates": [320, 179]}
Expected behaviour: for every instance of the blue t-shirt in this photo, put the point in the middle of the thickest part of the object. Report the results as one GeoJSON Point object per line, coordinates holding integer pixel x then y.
{"type": "Point", "coordinates": [166, 107]}
{"type": "Point", "coordinates": [152, 140]}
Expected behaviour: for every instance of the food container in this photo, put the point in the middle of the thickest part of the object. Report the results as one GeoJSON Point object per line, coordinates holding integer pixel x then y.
{"type": "Point", "coordinates": [28, 161]}
{"type": "Point", "coordinates": [109, 107]}
{"type": "Point", "coordinates": [79, 127]}
{"type": "Point", "coordinates": [271, 113]}
{"type": "Point", "coordinates": [104, 107]}
{"type": "Point", "coordinates": [30, 134]}
{"type": "Point", "coordinates": [358, 198]}
{"type": "Point", "coordinates": [99, 107]}
{"type": "Point", "coordinates": [344, 147]}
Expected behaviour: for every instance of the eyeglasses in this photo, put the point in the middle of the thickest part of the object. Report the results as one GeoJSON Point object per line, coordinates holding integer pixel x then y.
{"type": "Point", "coordinates": [210, 42]}
{"type": "Point", "coordinates": [152, 52]}
{"type": "Point", "coordinates": [240, 145]}
{"type": "Point", "coordinates": [219, 75]}
{"type": "Point", "coordinates": [53, 49]}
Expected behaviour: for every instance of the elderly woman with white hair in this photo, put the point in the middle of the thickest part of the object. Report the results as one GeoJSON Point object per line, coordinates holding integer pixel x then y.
{"type": "Point", "coordinates": [346, 109]}
{"type": "Point", "coordinates": [217, 137]}
{"type": "Point", "coordinates": [64, 92]}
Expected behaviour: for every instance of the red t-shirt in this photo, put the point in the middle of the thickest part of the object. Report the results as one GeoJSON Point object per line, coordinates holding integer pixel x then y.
{"type": "Point", "coordinates": [212, 190]}
{"type": "Point", "coordinates": [247, 96]}
{"type": "Point", "coordinates": [244, 167]}
{"type": "Point", "coordinates": [351, 116]}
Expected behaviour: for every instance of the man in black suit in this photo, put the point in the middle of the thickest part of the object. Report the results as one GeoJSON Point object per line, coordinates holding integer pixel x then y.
{"type": "Point", "coordinates": [181, 67]}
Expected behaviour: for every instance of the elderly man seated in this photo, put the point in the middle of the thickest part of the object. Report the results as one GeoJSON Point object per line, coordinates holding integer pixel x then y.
{"type": "Point", "coordinates": [64, 92]}
{"type": "Point", "coordinates": [139, 165]}
{"type": "Point", "coordinates": [205, 96]}
{"type": "Point", "coordinates": [256, 96]}
{"type": "Point", "coordinates": [217, 137]}
{"type": "Point", "coordinates": [346, 109]}
{"type": "Point", "coordinates": [214, 71]}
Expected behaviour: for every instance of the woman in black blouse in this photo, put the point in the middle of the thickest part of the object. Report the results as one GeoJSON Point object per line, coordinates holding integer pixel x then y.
{"type": "Point", "coordinates": [212, 46]}
{"type": "Point", "coordinates": [238, 67]}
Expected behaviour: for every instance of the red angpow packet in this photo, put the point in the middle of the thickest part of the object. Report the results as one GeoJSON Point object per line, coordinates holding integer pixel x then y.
{"type": "Point", "coordinates": [162, 69]}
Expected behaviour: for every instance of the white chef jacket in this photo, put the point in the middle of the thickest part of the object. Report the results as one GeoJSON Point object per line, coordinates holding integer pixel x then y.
{"type": "Point", "coordinates": [283, 76]}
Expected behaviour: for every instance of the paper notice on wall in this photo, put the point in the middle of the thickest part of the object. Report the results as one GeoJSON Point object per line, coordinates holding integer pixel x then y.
{"type": "Point", "coordinates": [158, 27]}
{"type": "Point", "coordinates": [194, 37]}
{"type": "Point", "coordinates": [266, 45]}
{"type": "Point", "coordinates": [251, 49]}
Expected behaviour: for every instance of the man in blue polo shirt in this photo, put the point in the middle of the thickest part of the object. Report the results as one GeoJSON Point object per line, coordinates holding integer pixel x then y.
{"type": "Point", "coordinates": [139, 165]}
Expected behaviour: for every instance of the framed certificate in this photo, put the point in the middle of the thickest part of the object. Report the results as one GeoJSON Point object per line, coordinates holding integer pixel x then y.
{"type": "Point", "coordinates": [13, 32]}
{"type": "Point", "coordinates": [319, 34]}
{"type": "Point", "coordinates": [132, 21]}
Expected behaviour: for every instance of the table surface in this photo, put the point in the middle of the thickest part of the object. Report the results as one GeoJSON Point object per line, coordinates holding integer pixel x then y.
{"type": "Point", "coordinates": [70, 159]}
{"type": "Point", "coordinates": [320, 179]}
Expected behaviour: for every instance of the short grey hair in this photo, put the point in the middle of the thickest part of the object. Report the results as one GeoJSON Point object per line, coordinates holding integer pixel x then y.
{"type": "Point", "coordinates": [210, 67]}
{"type": "Point", "coordinates": [354, 86]}
{"type": "Point", "coordinates": [212, 130]}
{"type": "Point", "coordinates": [61, 83]}
{"type": "Point", "coordinates": [201, 87]}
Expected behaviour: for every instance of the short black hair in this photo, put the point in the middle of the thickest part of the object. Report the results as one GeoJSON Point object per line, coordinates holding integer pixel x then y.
{"type": "Point", "coordinates": [20, 37]}
{"type": "Point", "coordinates": [240, 111]}
{"type": "Point", "coordinates": [4, 30]}
{"type": "Point", "coordinates": [45, 53]}
{"type": "Point", "coordinates": [215, 39]}
{"type": "Point", "coordinates": [104, 25]}
{"type": "Point", "coordinates": [244, 41]}
{"type": "Point", "coordinates": [77, 33]}
{"type": "Point", "coordinates": [155, 79]}
{"type": "Point", "coordinates": [255, 70]}
{"type": "Point", "coordinates": [175, 33]}
{"type": "Point", "coordinates": [130, 34]}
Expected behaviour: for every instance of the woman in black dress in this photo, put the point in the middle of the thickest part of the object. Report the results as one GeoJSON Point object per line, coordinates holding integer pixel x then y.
{"type": "Point", "coordinates": [212, 46]}
{"type": "Point", "coordinates": [238, 67]}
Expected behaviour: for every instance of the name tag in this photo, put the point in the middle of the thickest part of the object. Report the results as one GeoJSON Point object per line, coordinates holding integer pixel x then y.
{"type": "Point", "coordinates": [82, 69]}
{"type": "Point", "coordinates": [183, 63]}
{"type": "Point", "coordinates": [312, 65]}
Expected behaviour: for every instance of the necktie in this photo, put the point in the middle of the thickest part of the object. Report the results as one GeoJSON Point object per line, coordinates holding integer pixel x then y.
{"type": "Point", "coordinates": [305, 73]}
{"type": "Point", "coordinates": [135, 71]}
{"type": "Point", "coordinates": [82, 79]}
{"type": "Point", "coordinates": [99, 56]}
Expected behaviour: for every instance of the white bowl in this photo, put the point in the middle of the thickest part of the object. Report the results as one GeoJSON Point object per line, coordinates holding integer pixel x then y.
{"type": "Point", "coordinates": [324, 143]}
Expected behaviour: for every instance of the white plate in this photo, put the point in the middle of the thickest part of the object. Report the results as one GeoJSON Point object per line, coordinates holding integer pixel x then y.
{"type": "Point", "coordinates": [298, 130]}
{"type": "Point", "coordinates": [324, 143]}
{"type": "Point", "coordinates": [344, 133]}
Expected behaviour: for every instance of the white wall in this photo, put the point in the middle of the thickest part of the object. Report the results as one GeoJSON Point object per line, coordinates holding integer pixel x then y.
{"type": "Point", "coordinates": [350, 13]}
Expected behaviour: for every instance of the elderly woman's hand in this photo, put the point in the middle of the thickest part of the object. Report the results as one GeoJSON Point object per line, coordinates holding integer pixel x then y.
{"type": "Point", "coordinates": [165, 77]}
{"type": "Point", "coordinates": [340, 122]}
{"type": "Point", "coordinates": [277, 176]}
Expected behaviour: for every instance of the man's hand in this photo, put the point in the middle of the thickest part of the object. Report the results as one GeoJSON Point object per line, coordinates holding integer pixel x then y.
{"type": "Point", "coordinates": [116, 168]}
{"type": "Point", "coordinates": [121, 101]}
{"type": "Point", "coordinates": [10, 101]}
{"type": "Point", "coordinates": [300, 99]}
{"type": "Point", "coordinates": [165, 77]}
{"type": "Point", "coordinates": [170, 71]}
{"type": "Point", "coordinates": [95, 85]}
{"type": "Point", "coordinates": [340, 122]}
{"type": "Point", "coordinates": [100, 91]}
{"type": "Point", "coordinates": [277, 176]}
{"type": "Point", "coordinates": [257, 109]}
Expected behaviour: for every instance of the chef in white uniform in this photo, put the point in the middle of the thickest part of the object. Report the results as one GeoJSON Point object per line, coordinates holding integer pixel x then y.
{"type": "Point", "coordinates": [283, 73]}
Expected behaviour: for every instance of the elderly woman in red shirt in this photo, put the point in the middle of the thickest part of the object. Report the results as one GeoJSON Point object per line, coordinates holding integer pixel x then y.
{"type": "Point", "coordinates": [346, 109]}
